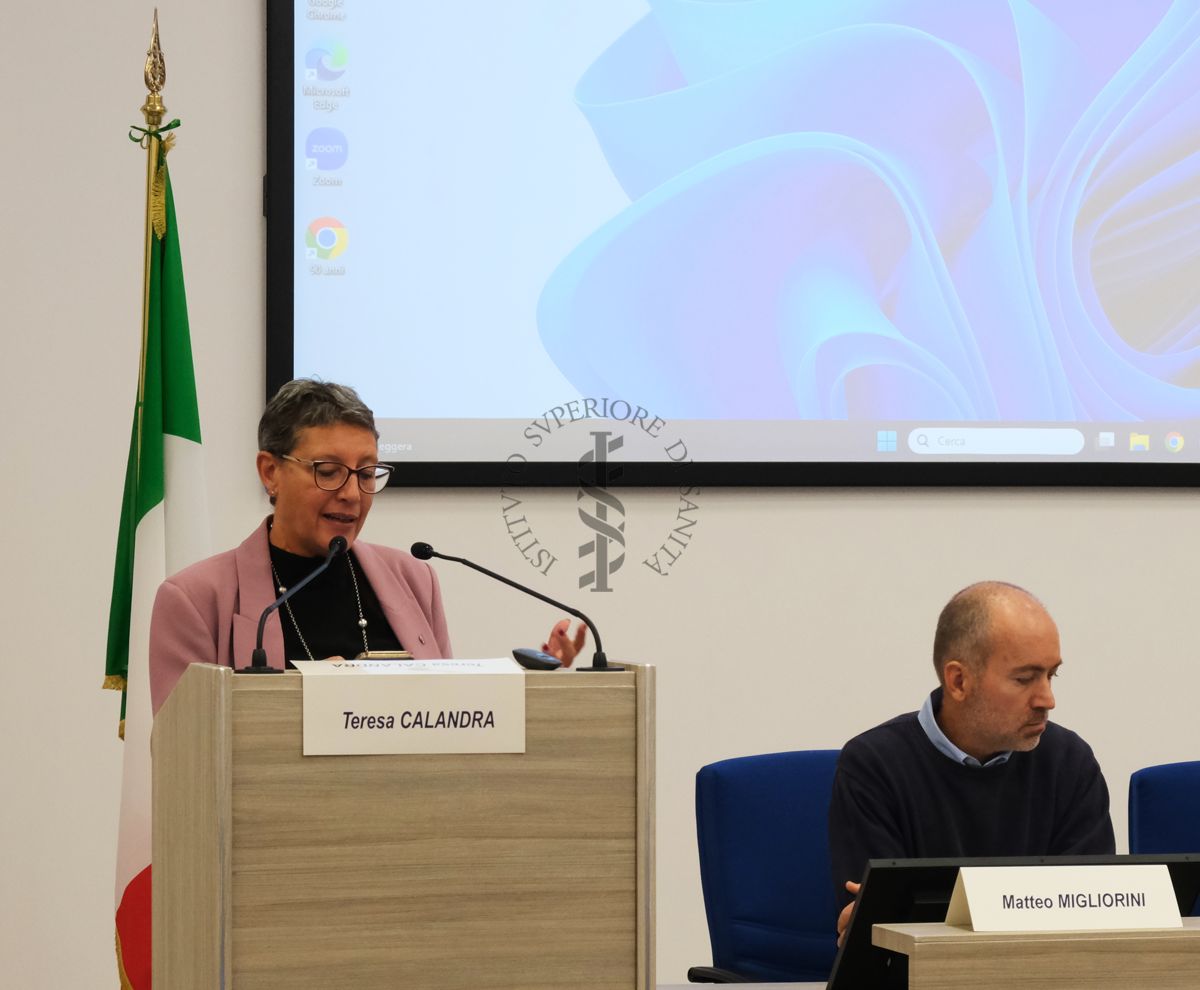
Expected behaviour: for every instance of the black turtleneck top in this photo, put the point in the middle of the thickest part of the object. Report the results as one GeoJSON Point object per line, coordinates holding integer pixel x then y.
{"type": "Point", "coordinates": [326, 611]}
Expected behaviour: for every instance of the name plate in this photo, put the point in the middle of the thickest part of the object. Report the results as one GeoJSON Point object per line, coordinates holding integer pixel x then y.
{"type": "Point", "coordinates": [354, 707]}
{"type": "Point", "coordinates": [1108, 897]}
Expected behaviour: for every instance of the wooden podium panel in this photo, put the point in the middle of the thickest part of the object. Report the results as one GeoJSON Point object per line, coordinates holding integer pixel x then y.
{"type": "Point", "coordinates": [946, 957]}
{"type": "Point", "coordinates": [445, 872]}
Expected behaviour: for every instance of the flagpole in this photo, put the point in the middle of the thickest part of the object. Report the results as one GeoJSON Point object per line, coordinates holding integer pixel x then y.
{"type": "Point", "coordinates": [165, 468]}
{"type": "Point", "coordinates": [153, 110]}
{"type": "Point", "coordinates": [155, 74]}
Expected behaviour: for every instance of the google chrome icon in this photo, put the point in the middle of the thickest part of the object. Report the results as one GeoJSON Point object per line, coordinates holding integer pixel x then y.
{"type": "Point", "coordinates": [1174, 442]}
{"type": "Point", "coordinates": [327, 236]}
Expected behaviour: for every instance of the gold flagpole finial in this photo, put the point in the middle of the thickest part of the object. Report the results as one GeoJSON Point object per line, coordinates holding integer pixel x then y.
{"type": "Point", "coordinates": [156, 77]}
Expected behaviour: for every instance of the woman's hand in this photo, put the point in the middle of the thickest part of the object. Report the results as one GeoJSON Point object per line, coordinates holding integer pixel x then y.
{"type": "Point", "coordinates": [562, 645]}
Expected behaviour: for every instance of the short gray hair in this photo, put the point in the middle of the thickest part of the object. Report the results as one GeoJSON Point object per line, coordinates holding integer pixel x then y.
{"type": "Point", "coordinates": [964, 629]}
{"type": "Point", "coordinates": [306, 402]}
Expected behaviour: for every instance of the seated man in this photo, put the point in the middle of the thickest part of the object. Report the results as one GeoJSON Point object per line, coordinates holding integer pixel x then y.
{"type": "Point", "coordinates": [979, 770]}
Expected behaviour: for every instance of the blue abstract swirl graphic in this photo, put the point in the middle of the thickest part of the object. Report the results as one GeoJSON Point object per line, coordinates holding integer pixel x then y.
{"type": "Point", "coordinates": [888, 209]}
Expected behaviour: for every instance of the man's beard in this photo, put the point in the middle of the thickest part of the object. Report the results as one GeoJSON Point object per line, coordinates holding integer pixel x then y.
{"type": "Point", "coordinates": [986, 723]}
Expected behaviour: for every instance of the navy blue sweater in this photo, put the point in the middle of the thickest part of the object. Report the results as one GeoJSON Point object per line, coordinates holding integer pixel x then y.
{"type": "Point", "coordinates": [895, 796]}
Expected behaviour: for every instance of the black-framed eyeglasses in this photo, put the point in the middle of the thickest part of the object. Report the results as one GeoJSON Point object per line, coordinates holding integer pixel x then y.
{"type": "Point", "coordinates": [331, 475]}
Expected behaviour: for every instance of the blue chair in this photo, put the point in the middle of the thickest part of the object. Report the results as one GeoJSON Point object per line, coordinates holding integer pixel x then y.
{"type": "Point", "coordinates": [762, 826]}
{"type": "Point", "coordinates": [1164, 810]}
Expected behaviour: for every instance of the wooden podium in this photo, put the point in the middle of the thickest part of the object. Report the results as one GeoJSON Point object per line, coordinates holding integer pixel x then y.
{"type": "Point", "coordinates": [481, 872]}
{"type": "Point", "coordinates": [946, 957]}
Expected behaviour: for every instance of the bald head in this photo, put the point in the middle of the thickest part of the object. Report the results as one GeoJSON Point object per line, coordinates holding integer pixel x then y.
{"type": "Point", "coordinates": [966, 626]}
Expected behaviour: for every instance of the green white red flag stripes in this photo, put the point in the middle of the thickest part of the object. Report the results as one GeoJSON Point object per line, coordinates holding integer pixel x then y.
{"type": "Point", "coordinates": [163, 528]}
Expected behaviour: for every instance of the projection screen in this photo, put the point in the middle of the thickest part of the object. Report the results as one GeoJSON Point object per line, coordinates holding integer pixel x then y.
{"type": "Point", "coordinates": [758, 241]}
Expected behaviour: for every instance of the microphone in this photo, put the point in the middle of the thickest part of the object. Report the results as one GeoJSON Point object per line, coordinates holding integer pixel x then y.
{"type": "Point", "coordinates": [423, 551]}
{"type": "Point", "coordinates": [258, 659]}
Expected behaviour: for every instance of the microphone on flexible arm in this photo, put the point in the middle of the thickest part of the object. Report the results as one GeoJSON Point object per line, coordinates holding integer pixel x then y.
{"type": "Point", "coordinates": [423, 551]}
{"type": "Point", "coordinates": [258, 659]}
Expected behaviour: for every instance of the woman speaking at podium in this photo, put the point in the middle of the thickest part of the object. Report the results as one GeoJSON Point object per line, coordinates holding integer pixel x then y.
{"type": "Point", "coordinates": [318, 462]}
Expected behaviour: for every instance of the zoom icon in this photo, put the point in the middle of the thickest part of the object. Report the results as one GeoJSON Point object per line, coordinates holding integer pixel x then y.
{"type": "Point", "coordinates": [325, 149]}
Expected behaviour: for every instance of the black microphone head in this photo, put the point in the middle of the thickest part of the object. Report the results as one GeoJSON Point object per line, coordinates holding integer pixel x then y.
{"type": "Point", "coordinates": [422, 551]}
{"type": "Point", "coordinates": [337, 545]}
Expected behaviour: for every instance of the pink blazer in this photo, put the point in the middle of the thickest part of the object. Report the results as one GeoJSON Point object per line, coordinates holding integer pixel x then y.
{"type": "Point", "coordinates": [208, 613]}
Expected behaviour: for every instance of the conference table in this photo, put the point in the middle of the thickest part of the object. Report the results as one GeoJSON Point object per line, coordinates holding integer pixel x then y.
{"type": "Point", "coordinates": [1135, 959]}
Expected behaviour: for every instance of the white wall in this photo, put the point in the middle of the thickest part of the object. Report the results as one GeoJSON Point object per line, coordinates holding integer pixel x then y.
{"type": "Point", "coordinates": [795, 619]}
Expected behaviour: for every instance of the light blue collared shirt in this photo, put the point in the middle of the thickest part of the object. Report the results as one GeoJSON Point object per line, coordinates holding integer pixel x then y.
{"type": "Point", "coordinates": [943, 744]}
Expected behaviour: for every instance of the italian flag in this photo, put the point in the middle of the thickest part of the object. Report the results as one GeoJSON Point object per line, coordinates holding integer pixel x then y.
{"type": "Point", "coordinates": [164, 527]}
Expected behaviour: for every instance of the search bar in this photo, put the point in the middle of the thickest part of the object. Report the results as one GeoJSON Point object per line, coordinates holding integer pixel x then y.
{"type": "Point", "coordinates": [1000, 441]}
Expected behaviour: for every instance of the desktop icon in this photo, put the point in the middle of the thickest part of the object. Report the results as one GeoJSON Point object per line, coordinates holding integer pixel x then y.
{"type": "Point", "coordinates": [885, 441]}
{"type": "Point", "coordinates": [1173, 442]}
{"type": "Point", "coordinates": [1105, 439]}
{"type": "Point", "coordinates": [325, 149]}
{"type": "Point", "coordinates": [325, 61]}
{"type": "Point", "coordinates": [325, 238]}
{"type": "Point", "coordinates": [1139, 441]}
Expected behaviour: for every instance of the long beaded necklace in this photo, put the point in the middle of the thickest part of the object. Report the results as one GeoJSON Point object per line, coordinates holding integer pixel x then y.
{"type": "Point", "coordinates": [362, 619]}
